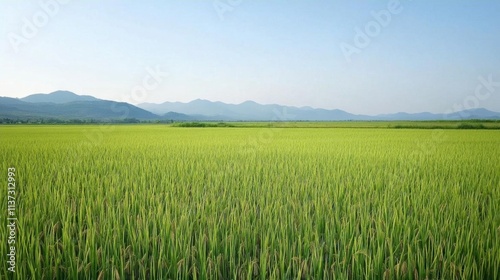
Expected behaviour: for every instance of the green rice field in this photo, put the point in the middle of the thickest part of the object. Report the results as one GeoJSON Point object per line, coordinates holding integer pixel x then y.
{"type": "Point", "coordinates": [166, 202]}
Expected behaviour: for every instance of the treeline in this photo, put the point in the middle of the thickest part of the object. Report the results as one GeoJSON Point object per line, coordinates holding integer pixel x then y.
{"type": "Point", "coordinates": [468, 125]}
{"type": "Point", "coordinates": [203, 124]}
{"type": "Point", "coordinates": [78, 121]}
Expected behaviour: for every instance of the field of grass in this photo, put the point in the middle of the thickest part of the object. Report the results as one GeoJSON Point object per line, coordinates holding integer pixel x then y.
{"type": "Point", "coordinates": [160, 202]}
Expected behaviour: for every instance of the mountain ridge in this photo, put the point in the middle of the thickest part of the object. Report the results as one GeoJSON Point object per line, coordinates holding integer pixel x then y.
{"type": "Point", "coordinates": [68, 105]}
{"type": "Point", "coordinates": [58, 97]}
{"type": "Point", "coordinates": [266, 112]}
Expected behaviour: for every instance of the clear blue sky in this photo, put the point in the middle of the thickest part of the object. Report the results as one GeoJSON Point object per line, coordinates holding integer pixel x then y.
{"type": "Point", "coordinates": [428, 57]}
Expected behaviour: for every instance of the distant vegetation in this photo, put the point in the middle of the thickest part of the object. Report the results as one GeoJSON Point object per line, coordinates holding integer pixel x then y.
{"type": "Point", "coordinates": [78, 121]}
{"type": "Point", "coordinates": [202, 124]}
{"type": "Point", "coordinates": [469, 124]}
{"type": "Point", "coordinates": [450, 125]}
{"type": "Point", "coordinates": [477, 124]}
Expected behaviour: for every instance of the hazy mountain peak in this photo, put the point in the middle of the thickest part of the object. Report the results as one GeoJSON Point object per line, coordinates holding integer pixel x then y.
{"type": "Point", "coordinates": [58, 97]}
{"type": "Point", "coordinates": [250, 102]}
{"type": "Point", "coordinates": [62, 93]}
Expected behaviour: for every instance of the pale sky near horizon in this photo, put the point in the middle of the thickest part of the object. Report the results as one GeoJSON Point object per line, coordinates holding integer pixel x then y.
{"type": "Point", "coordinates": [428, 56]}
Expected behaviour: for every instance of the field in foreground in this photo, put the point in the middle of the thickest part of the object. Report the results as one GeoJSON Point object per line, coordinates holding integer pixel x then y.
{"type": "Point", "coordinates": [129, 202]}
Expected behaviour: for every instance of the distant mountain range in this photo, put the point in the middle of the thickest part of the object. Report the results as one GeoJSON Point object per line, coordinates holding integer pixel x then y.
{"type": "Point", "coordinates": [249, 110]}
{"type": "Point", "coordinates": [67, 105]}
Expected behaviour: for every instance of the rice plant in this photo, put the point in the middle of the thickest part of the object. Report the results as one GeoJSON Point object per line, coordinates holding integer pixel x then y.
{"type": "Point", "coordinates": [159, 202]}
